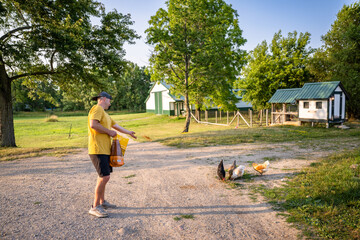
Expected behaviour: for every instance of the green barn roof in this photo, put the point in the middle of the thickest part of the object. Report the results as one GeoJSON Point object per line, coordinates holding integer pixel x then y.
{"type": "Point", "coordinates": [285, 95]}
{"type": "Point", "coordinates": [319, 90]}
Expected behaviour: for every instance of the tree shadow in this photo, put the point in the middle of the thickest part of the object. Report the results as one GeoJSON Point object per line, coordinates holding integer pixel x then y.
{"type": "Point", "coordinates": [126, 212]}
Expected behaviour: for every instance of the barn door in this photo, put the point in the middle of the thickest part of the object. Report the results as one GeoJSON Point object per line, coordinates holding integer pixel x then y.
{"type": "Point", "coordinates": [158, 102]}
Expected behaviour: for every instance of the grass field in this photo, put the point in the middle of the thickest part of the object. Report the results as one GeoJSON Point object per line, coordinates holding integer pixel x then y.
{"type": "Point", "coordinates": [324, 197]}
{"type": "Point", "coordinates": [70, 131]}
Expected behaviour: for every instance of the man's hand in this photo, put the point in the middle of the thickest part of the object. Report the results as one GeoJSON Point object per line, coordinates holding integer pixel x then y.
{"type": "Point", "coordinates": [112, 133]}
{"type": "Point", "coordinates": [132, 133]}
{"type": "Point", "coordinates": [95, 124]}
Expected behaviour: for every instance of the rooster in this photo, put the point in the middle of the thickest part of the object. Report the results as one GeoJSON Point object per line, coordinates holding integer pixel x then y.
{"type": "Point", "coordinates": [221, 171]}
{"type": "Point", "coordinates": [238, 172]}
{"type": "Point", "coordinates": [231, 169]}
{"type": "Point", "coordinates": [261, 168]}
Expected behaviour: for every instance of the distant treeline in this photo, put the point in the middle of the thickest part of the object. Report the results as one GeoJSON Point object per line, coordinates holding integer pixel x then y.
{"type": "Point", "coordinates": [129, 92]}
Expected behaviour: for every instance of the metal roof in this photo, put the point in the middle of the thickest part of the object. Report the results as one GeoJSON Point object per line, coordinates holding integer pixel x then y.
{"type": "Point", "coordinates": [285, 95]}
{"type": "Point", "coordinates": [319, 90]}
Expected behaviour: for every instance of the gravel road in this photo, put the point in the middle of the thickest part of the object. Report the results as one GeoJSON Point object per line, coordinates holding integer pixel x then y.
{"type": "Point", "coordinates": [156, 189]}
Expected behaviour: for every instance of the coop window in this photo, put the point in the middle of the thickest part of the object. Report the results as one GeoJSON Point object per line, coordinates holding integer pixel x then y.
{"type": "Point", "coordinates": [306, 104]}
{"type": "Point", "coordinates": [318, 105]}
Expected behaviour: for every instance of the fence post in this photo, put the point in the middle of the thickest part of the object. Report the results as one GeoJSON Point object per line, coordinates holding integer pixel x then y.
{"type": "Point", "coordinates": [227, 117]}
{"type": "Point", "coordinates": [216, 116]}
{"type": "Point", "coordinates": [237, 119]}
{"type": "Point", "coordinates": [267, 118]}
{"type": "Point", "coordinates": [206, 115]}
{"type": "Point", "coordinates": [250, 117]}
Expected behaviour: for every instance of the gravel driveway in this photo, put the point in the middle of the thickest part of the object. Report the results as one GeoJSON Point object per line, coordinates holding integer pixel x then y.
{"type": "Point", "coordinates": [161, 193]}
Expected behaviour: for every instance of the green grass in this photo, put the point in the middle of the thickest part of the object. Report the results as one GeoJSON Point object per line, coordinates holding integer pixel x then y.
{"type": "Point", "coordinates": [325, 196]}
{"type": "Point", "coordinates": [130, 176]}
{"type": "Point", "coordinates": [185, 216]}
{"type": "Point", "coordinates": [32, 131]}
{"type": "Point", "coordinates": [278, 134]}
{"type": "Point", "coordinates": [9, 154]}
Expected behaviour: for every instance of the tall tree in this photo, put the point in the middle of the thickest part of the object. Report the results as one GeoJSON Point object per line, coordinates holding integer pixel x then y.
{"type": "Point", "coordinates": [280, 65]}
{"type": "Point", "coordinates": [339, 57]}
{"type": "Point", "coordinates": [132, 89]}
{"type": "Point", "coordinates": [197, 50]}
{"type": "Point", "coordinates": [55, 41]}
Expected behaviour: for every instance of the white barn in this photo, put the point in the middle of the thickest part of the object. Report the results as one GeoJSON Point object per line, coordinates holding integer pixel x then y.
{"type": "Point", "coordinates": [161, 101]}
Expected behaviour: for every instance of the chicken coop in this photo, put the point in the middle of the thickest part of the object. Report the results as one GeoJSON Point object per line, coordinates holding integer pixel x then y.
{"type": "Point", "coordinates": [322, 102]}
{"type": "Point", "coordinates": [284, 107]}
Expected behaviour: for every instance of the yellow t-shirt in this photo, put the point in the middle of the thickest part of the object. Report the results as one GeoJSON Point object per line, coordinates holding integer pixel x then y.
{"type": "Point", "coordinates": [99, 143]}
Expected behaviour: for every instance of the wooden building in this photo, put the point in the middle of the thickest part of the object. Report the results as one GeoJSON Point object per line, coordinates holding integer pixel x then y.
{"type": "Point", "coordinates": [162, 101]}
{"type": "Point", "coordinates": [315, 102]}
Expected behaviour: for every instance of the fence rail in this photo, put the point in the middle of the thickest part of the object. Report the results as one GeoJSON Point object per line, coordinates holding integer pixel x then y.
{"type": "Point", "coordinates": [247, 118]}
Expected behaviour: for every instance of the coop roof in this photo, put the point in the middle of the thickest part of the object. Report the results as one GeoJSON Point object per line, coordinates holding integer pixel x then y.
{"type": "Point", "coordinates": [319, 90]}
{"type": "Point", "coordinates": [285, 95]}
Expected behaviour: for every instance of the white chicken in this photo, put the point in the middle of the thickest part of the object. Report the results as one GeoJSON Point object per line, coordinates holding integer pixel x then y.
{"type": "Point", "coordinates": [238, 172]}
{"type": "Point", "coordinates": [261, 168]}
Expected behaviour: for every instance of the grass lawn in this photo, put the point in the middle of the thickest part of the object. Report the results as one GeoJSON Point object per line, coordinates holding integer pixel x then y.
{"type": "Point", "coordinates": [32, 130]}
{"type": "Point", "coordinates": [70, 131]}
{"type": "Point", "coordinates": [324, 197]}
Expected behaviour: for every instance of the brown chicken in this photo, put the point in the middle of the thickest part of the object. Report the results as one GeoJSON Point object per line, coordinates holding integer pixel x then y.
{"type": "Point", "coordinates": [231, 169]}
{"type": "Point", "coordinates": [261, 168]}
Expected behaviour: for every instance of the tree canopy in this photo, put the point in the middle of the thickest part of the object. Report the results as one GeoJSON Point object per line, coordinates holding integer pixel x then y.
{"type": "Point", "coordinates": [56, 42]}
{"type": "Point", "coordinates": [282, 64]}
{"type": "Point", "coordinates": [197, 50]}
{"type": "Point", "coordinates": [339, 58]}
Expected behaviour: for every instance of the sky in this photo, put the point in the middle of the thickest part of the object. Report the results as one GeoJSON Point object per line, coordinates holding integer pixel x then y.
{"type": "Point", "coordinates": [259, 20]}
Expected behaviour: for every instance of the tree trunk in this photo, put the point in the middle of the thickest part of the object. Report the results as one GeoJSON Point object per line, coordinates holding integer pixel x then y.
{"type": "Point", "coordinates": [188, 115]}
{"type": "Point", "coordinates": [187, 105]}
{"type": "Point", "coordinates": [7, 136]}
{"type": "Point", "coordinates": [198, 112]}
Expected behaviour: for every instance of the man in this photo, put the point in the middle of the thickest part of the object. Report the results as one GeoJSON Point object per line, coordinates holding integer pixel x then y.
{"type": "Point", "coordinates": [101, 126]}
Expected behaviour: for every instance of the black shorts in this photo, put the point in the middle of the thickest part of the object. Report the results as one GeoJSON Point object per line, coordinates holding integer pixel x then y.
{"type": "Point", "coordinates": [102, 164]}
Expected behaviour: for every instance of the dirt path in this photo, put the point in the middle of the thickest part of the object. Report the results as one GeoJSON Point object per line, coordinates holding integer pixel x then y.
{"type": "Point", "coordinates": [49, 197]}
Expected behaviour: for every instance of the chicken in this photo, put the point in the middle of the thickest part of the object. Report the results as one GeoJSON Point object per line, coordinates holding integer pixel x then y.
{"type": "Point", "coordinates": [238, 172]}
{"type": "Point", "coordinates": [231, 169]}
{"type": "Point", "coordinates": [261, 168]}
{"type": "Point", "coordinates": [221, 171]}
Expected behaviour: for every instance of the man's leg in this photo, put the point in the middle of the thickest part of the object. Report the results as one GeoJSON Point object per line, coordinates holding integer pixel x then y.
{"type": "Point", "coordinates": [100, 190]}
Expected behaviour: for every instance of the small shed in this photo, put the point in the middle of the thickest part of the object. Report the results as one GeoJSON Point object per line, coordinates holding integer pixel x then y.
{"type": "Point", "coordinates": [322, 102]}
{"type": "Point", "coordinates": [314, 102]}
{"type": "Point", "coordinates": [161, 101]}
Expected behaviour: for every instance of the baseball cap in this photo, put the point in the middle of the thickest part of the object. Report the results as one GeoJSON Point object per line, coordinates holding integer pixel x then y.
{"type": "Point", "coordinates": [102, 94]}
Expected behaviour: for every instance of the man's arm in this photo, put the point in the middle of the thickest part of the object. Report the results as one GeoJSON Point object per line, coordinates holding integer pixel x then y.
{"type": "Point", "coordinates": [95, 124]}
{"type": "Point", "coordinates": [123, 130]}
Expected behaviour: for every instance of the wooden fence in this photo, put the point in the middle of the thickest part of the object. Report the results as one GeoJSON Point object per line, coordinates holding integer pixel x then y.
{"type": "Point", "coordinates": [240, 118]}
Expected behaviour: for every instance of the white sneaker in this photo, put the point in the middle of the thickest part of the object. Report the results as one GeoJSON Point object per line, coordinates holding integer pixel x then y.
{"type": "Point", "coordinates": [107, 205]}
{"type": "Point", "coordinates": [98, 211]}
